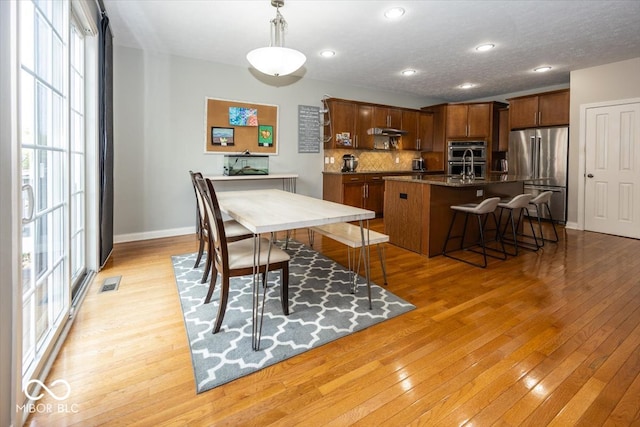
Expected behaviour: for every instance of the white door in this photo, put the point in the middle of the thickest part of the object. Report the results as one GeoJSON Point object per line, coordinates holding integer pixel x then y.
{"type": "Point", "coordinates": [612, 186]}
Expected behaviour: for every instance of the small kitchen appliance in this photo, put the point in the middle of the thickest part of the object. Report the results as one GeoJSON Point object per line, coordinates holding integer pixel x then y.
{"type": "Point", "coordinates": [418, 164]}
{"type": "Point", "coordinates": [349, 163]}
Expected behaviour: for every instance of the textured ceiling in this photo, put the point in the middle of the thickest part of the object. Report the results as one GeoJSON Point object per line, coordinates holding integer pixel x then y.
{"type": "Point", "coordinates": [436, 38]}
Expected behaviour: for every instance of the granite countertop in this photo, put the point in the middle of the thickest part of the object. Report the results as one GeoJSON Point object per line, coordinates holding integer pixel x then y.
{"type": "Point", "coordinates": [456, 181]}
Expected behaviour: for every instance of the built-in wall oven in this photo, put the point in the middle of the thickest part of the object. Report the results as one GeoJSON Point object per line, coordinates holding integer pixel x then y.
{"type": "Point", "coordinates": [456, 152]}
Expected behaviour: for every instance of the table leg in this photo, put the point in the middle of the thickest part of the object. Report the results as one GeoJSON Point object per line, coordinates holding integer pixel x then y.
{"type": "Point", "coordinates": [366, 255]}
{"type": "Point", "coordinates": [257, 307]}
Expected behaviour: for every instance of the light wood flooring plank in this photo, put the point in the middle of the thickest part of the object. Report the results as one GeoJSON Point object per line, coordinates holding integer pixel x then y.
{"type": "Point", "coordinates": [547, 337]}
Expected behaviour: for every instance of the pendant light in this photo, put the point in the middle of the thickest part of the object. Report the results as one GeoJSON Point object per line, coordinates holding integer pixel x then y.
{"type": "Point", "coordinates": [276, 60]}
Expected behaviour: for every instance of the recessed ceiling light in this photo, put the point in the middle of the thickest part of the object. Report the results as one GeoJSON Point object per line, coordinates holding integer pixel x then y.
{"type": "Point", "coordinates": [466, 86]}
{"type": "Point", "coordinates": [542, 69]}
{"type": "Point", "coordinates": [485, 47]}
{"type": "Point", "coordinates": [394, 13]}
{"type": "Point", "coordinates": [327, 53]}
{"type": "Point", "coordinates": [408, 72]}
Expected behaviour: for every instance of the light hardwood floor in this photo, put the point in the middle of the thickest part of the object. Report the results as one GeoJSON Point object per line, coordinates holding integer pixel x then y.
{"type": "Point", "coordinates": [546, 338]}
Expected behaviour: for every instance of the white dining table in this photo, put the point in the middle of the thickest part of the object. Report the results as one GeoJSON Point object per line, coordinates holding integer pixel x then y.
{"type": "Point", "coordinates": [270, 211]}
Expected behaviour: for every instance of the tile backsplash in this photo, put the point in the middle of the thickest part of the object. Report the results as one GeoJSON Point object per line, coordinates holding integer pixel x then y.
{"type": "Point", "coordinates": [372, 161]}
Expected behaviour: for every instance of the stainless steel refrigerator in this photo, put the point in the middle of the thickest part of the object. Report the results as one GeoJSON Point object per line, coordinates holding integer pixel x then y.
{"type": "Point", "coordinates": [542, 155]}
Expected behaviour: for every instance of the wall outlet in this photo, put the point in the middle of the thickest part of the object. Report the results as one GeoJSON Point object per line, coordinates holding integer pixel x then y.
{"type": "Point", "coordinates": [397, 159]}
{"type": "Point", "coordinates": [479, 193]}
{"type": "Point", "coordinates": [332, 160]}
{"type": "Point", "coordinates": [326, 160]}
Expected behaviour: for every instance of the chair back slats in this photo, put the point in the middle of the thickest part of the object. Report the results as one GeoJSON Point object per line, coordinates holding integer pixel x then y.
{"type": "Point", "coordinates": [214, 222]}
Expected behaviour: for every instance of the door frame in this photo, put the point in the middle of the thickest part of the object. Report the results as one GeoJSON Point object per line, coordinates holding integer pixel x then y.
{"type": "Point", "coordinates": [582, 153]}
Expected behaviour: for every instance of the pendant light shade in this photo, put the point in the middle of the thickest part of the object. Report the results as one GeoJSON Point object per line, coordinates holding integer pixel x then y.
{"type": "Point", "coordinates": [276, 60]}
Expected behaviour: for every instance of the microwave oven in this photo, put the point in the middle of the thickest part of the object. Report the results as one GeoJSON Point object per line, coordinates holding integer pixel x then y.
{"type": "Point", "coordinates": [456, 150]}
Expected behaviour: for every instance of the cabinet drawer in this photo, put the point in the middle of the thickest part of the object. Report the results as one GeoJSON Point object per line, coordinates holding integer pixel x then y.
{"type": "Point", "coordinates": [351, 179]}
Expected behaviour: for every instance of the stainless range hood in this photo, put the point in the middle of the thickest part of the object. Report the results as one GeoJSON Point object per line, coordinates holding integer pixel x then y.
{"type": "Point", "coordinates": [386, 132]}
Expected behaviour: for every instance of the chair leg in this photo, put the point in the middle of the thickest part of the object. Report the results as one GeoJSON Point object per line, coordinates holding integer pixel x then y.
{"type": "Point", "coordinates": [200, 251]}
{"type": "Point", "coordinates": [222, 308]}
{"type": "Point", "coordinates": [209, 263]}
{"type": "Point", "coordinates": [284, 289]}
{"type": "Point", "coordinates": [212, 284]}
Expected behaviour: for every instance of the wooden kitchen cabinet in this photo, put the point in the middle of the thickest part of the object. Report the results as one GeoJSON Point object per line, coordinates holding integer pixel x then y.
{"type": "Point", "coordinates": [387, 117]}
{"type": "Point", "coordinates": [543, 109]}
{"type": "Point", "coordinates": [364, 122]}
{"type": "Point", "coordinates": [362, 190]}
{"type": "Point", "coordinates": [419, 127]}
{"type": "Point", "coordinates": [503, 132]}
{"type": "Point", "coordinates": [342, 121]}
{"type": "Point", "coordinates": [468, 120]}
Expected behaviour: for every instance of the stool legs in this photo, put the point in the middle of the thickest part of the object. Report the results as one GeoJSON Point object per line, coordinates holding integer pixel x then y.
{"type": "Point", "coordinates": [514, 233]}
{"type": "Point", "coordinates": [482, 242]}
{"type": "Point", "coordinates": [553, 225]}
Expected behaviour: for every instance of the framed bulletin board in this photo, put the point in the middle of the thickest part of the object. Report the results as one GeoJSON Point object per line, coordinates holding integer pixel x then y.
{"type": "Point", "coordinates": [235, 126]}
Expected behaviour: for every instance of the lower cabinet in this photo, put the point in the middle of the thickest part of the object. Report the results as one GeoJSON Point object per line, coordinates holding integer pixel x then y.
{"type": "Point", "coordinates": [360, 190]}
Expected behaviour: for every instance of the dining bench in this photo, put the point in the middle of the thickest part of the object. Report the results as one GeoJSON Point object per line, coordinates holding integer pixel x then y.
{"type": "Point", "coordinates": [350, 235]}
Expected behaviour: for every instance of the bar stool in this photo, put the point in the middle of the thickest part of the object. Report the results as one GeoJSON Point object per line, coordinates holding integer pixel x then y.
{"type": "Point", "coordinates": [519, 203]}
{"type": "Point", "coordinates": [539, 202]}
{"type": "Point", "coordinates": [481, 211]}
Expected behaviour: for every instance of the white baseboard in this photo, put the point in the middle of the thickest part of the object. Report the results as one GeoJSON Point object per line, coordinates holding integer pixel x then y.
{"type": "Point", "coordinates": [132, 237]}
{"type": "Point", "coordinates": [572, 225]}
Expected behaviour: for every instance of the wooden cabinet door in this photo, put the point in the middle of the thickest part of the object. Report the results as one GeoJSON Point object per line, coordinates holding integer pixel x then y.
{"type": "Point", "coordinates": [410, 124]}
{"type": "Point", "coordinates": [503, 130]}
{"type": "Point", "coordinates": [523, 112]}
{"type": "Point", "coordinates": [343, 120]}
{"type": "Point", "coordinates": [374, 193]}
{"type": "Point", "coordinates": [553, 109]}
{"type": "Point", "coordinates": [456, 121]}
{"type": "Point", "coordinates": [425, 132]}
{"type": "Point", "coordinates": [395, 118]}
{"type": "Point", "coordinates": [479, 120]}
{"type": "Point", "coordinates": [363, 123]}
{"type": "Point", "coordinates": [353, 195]}
{"type": "Point", "coordinates": [385, 117]}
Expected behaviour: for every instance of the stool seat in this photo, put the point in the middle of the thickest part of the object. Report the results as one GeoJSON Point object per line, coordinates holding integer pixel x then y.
{"type": "Point", "coordinates": [486, 206]}
{"type": "Point", "coordinates": [520, 203]}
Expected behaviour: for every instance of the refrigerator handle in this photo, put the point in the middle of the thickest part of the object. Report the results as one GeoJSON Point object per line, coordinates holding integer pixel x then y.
{"type": "Point", "coordinates": [538, 160]}
{"type": "Point", "coordinates": [534, 153]}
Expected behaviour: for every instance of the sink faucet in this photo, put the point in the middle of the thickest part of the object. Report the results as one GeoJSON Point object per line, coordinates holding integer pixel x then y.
{"type": "Point", "coordinates": [470, 173]}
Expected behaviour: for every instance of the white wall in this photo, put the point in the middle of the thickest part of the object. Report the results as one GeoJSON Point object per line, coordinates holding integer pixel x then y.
{"type": "Point", "coordinates": [610, 82]}
{"type": "Point", "coordinates": [159, 133]}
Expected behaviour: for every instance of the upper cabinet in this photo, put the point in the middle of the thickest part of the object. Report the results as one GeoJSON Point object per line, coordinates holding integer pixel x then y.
{"type": "Point", "coordinates": [419, 128]}
{"type": "Point", "coordinates": [340, 124]}
{"type": "Point", "coordinates": [387, 117]}
{"type": "Point", "coordinates": [468, 120]}
{"type": "Point", "coordinates": [543, 109]}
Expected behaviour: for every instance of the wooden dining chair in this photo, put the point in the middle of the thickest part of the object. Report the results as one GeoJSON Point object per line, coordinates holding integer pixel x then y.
{"type": "Point", "coordinates": [233, 259]}
{"type": "Point", "coordinates": [233, 230]}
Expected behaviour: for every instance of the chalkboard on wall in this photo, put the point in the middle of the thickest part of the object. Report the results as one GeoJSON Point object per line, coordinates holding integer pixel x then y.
{"type": "Point", "coordinates": [308, 129]}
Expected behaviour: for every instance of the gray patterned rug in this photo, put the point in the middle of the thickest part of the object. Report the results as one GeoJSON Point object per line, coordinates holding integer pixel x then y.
{"type": "Point", "coordinates": [321, 309]}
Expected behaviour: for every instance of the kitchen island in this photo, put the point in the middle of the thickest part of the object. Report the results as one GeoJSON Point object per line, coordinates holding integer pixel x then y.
{"type": "Point", "coordinates": [417, 209]}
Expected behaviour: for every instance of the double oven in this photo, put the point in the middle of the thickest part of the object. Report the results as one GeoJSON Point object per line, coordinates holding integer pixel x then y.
{"type": "Point", "coordinates": [455, 157]}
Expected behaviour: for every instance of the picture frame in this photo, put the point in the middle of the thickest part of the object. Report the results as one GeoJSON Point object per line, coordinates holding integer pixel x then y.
{"type": "Point", "coordinates": [265, 135]}
{"type": "Point", "coordinates": [243, 116]}
{"type": "Point", "coordinates": [222, 136]}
